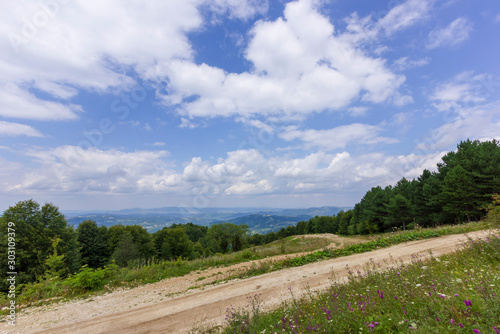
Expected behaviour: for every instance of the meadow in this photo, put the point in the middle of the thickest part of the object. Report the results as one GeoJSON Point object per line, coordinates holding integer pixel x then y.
{"type": "Point", "coordinates": [456, 293]}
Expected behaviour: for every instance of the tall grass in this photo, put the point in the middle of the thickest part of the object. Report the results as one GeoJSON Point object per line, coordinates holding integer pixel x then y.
{"type": "Point", "coordinates": [457, 293]}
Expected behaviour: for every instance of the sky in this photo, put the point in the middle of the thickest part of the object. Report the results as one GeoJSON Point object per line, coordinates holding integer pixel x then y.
{"type": "Point", "coordinates": [107, 105]}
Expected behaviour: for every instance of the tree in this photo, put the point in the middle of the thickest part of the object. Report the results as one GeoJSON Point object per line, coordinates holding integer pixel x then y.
{"type": "Point", "coordinates": [226, 237]}
{"type": "Point", "coordinates": [458, 194]}
{"type": "Point", "coordinates": [140, 236]}
{"type": "Point", "coordinates": [36, 229]}
{"type": "Point", "coordinates": [398, 212]}
{"type": "Point", "coordinates": [93, 244]}
{"type": "Point", "coordinates": [125, 251]}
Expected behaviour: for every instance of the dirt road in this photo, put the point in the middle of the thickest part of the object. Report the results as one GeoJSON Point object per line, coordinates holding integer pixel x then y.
{"type": "Point", "coordinates": [174, 306]}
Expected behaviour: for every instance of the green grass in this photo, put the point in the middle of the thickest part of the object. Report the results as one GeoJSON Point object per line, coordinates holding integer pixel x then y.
{"type": "Point", "coordinates": [457, 293]}
{"type": "Point", "coordinates": [374, 242]}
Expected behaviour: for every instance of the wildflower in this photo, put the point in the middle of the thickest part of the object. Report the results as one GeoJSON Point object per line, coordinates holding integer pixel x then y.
{"type": "Point", "coordinates": [437, 319]}
{"type": "Point", "coordinates": [496, 330]}
{"type": "Point", "coordinates": [461, 326]}
{"type": "Point", "coordinates": [452, 321]}
{"type": "Point", "coordinates": [476, 331]}
{"type": "Point", "coordinates": [456, 295]}
{"type": "Point", "coordinates": [468, 302]}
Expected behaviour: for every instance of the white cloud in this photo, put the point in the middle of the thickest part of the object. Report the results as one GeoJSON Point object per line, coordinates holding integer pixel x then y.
{"type": "Point", "coordinates": [300, 67]}
{"type": "Point", "coordinates": [18, 103]}
{"type": "Point", "coordinates": [371, 29]}
{"type": "Point", "coordinates": [338, 137]}
{"type": "Point", "coordinates": [357, 111]}
{"type": "Point", "coordinates": [464, 90]}
{"type": "Point", "coordinates": [71, 171]}
{"type": "Point", "coordinates": [16, 129]}
{"type": "Point", "coordinates": [405, 15]}
{"type": "Point", "coordinates": [453, 35]}
{"type": "Point", "coordinates": [239, 9]}
{"type": "Point", "coordinates": [61, 47]}
{"type": "Point", "coordinates": [481, 122]}
{"type": "Point", "coordinates": [404, 63]}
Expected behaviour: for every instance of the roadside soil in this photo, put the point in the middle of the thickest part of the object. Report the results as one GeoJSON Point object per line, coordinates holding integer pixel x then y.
{"type": "Point", "coordinates": [200, 299]}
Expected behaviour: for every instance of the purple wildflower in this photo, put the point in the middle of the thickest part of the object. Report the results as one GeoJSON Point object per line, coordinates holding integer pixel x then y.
{"type": "Point", "coordinates": [476, 331]}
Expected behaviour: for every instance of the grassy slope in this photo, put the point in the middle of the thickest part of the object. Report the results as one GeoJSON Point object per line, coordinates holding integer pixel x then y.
{"type": "Point", "coordinates": [452, 294]}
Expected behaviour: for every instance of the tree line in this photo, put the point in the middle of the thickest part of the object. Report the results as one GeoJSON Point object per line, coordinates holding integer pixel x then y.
{"type": "Point", "coordinates": [45, 242]}
{"type": "Point", "coordinates": [459, 190]}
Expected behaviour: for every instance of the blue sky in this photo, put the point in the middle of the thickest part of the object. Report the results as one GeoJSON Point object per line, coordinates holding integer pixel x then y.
{"type": "Point", "coordinates": [238, 103]}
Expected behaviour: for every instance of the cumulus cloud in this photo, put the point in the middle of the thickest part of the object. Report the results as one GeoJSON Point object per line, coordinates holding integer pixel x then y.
{"type": "Point", "coordinates": [51, 47]}
{"type": "Point", "coordinates": [300, 66]}
{"type": "Point", "coordinates": [453, 35]}
{"type": "Point", "coordinates": [73, 170]}
{"type": "Point", "coordinates": [301, 63]}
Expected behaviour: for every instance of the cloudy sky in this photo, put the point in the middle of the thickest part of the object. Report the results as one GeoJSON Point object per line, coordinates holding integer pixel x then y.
{"type": "Point", "coordinates": [222, 103]}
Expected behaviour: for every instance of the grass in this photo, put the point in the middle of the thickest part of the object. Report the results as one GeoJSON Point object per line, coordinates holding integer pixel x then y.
{"type": "Point", "coordinates": [457, 293]}
{"type": "Point", "coordinates": [373, 242]}
{"type": "Point", "coordinates": [89, 282]}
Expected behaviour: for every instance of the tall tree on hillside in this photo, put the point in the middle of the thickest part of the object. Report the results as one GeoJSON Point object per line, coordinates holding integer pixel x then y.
{"type": "Point", "coordinates": [227, 237]}
{"type": "Point", "coordinates": [176, 243]}
{"type": "Point", "coordinates": [373, 208]}
{"type": "Point", "coordinates": [140, 236]}
{"type": "Point", "coordinates": [93, 244]}
{"type": "Point", "coordinates": [481, 162]}
{"type": "Point", "coordinates": [399, 212]}
{"type": "Point", "coordinates": [344, 222]}
{"type": "Point", "coordinates": [458, 194]}
{"type": "Point", "coordinates": [126, 250]}
{"type": "Point", "coordinates": [36, 228]}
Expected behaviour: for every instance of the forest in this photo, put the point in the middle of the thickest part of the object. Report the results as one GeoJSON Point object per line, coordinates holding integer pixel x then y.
{"type": "Point", "coordinates": [459, 191]}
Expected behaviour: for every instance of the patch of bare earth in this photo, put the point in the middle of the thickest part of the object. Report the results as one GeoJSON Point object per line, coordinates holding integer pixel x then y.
{"type": "Point", "coordinates": [177, 305]}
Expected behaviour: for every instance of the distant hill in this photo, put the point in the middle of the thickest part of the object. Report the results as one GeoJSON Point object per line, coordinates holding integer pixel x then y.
{"type": "Point", "coordinates": [263, 224]}
{"type": "Point", "coordinates": [259, 220]}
